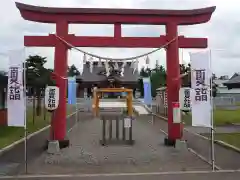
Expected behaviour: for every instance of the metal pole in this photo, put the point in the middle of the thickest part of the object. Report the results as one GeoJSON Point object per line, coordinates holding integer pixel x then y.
{"type": "Point", "coordinates": [182, 56]}
{"type": "Point", "coordinates": [26, 152]}
{"type": "Point", "coordinates": [152, 111]}
{"type": "Point", "coordinates": [76, 117]}
{"type": "Point", "coordinates": [44, 108]}
{"type": "Point", "coordinates": [212, 122]}
{"type": "Point", "coordinates": [25, 117]}
{"type": "Point", "coordinates": [212, 145]}
{"type": "Point", "coordinates": [103, 131]}
{"type": "Point", "coordinates": [52, 124]}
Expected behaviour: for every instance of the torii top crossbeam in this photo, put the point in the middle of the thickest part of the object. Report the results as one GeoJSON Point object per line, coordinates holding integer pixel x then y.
{"type": "Point", "coordinates": [116, 17]}
{"type": "Point", "coordinates": [101, 16]}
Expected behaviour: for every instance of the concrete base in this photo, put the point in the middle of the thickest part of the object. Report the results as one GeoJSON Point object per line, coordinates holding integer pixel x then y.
{"type": "Point", "coordinates": [178, 144]}
{"type": "Point", "coordinates": [116, 142]}
{"type": "Point", "coordinates": [181, 145]}
{"type": "Point", "coordinates": [169, 142]}
{"type": "Point", "coordinates": [53, 147]}
{"type": "Point", "coordinates": [62, 144]}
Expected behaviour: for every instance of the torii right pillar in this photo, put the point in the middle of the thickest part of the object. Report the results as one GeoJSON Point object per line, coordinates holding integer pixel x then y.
{"type": "Point", "coordinates": [175, 130]}
{"type": "Point", "coordinates": [173, 83]}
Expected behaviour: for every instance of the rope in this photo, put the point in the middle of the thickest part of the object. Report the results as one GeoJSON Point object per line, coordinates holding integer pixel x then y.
{"type": "Point", "coordinates": [115, 59]}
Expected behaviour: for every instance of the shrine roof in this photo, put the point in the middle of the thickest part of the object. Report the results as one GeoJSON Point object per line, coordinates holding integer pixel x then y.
{"type": "Point", "coordinates": [94, 76]}
{"type": "Point", "coordinates": [233, 80]}
{"type": "Point", "coordinates": [141, 13]}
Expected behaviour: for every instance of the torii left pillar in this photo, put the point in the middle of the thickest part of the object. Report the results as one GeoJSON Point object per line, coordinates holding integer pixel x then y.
{"type": "Point", "coordinates": [58, 128]}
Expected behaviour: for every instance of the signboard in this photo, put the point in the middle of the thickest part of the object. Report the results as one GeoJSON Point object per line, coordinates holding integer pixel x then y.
{"type": "Point", "coordinates": [72, 90]}
{"type": "Point", "coordinates": [15, 93]}
{"type": "Point", "coordinates": [176, 112]}
{"type": "Point", "coordinates": [138, 94]}
{"type": "Point", "coordinates": [147, 91]}
{"type": "Point", "coordinates": [185, 98]}
{"type": "Point", "coordinates": [51, 98]}
{"type": "Point", "coordinates": [127, 122]}
{"type": "Point", "coordinates": [200, 96]}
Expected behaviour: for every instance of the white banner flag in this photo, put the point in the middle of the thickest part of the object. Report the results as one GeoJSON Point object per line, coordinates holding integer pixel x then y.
{"type": "Point", "coordinates": [147, 62]}
{"type": "Point", "coordinates": [135, 66]}
{"type": "Point", "coordinates": [123, 67]}
{"type": "Point", "coordinates": [99, 62]}
{"type": "Point", "coordinates": [15, 99]}
{"type": "Point", "coordinates": [90, 64]}
{"type": "Point", "coordinates": [200, 96]}
{"type": "Point", "coordinates": [84, 58]}
{"type": "Point", "coordinates": [185, 98]}
{"type": "Point", "coordinates": [52, 98]}
{"type": "Point", "coordinates": [116, 66]}
{"type": "Point", "coordinates": [107, 68]}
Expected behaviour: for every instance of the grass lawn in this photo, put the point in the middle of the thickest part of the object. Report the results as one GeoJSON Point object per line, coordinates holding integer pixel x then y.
{"type": "Point", "coordinates": [220, 116]}
{"type": "Point", "coordinates": [10, 134]}
{"type": "Point", "coordinates": [231, 138]}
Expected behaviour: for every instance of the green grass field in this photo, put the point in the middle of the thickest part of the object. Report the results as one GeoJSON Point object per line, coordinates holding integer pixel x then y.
{"type": "Point", "coordinates": [10, 134]}
{"type": "Point", "coordinates": [221, 117]}
{"type": "Point", "coordinates": [231, 138]}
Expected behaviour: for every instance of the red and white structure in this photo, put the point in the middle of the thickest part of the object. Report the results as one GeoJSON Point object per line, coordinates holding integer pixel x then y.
{"type": "Point", "coordinates": [62, 17]}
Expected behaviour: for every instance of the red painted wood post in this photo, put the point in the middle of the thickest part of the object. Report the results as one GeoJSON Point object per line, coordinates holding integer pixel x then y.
{"type": "Point", "coordinates": [61, 17]}
{"type": "Point", "coordinates": [60, 68]}
{"type": "Point", "coordinates": [173, 72]}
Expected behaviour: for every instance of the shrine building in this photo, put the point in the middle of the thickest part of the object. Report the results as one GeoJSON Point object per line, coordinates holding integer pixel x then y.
{"type": "Point", "coordinates": [97, 77]}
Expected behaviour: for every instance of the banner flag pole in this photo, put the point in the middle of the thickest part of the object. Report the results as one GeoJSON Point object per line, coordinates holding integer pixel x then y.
{"type": "Point", "coordinates": [25, 115]}
{"type": "Point", "coordinates": [201, 96]}
{"type": "Point", "coordinates": [76, 103]}
{"type": "Point", "coordinates": [16, 94]}
{"type": "Point", "coordinates": [212, 121]}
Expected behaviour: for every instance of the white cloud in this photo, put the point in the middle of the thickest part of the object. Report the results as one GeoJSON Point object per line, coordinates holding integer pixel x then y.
{"type": "Point", "coordinates": [222, 31]}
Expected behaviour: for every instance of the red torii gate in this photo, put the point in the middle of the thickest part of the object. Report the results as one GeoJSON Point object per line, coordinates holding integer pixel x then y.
{"type": "Point", "coordinates": [62, 17]}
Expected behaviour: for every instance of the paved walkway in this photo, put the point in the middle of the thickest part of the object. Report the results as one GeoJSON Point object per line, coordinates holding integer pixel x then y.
{"type": "Point", "coordinates": [13, 160]}
{"type": "Point", "coordinates": [142, 176]}
{"type": "Point", "coordinates": [225, 158]}
{"type": "Point", "coordinates": [85, 155]}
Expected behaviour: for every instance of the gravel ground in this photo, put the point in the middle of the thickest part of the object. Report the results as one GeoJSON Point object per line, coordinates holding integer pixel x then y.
{"type": "Point", "coordinates": [86, 155]}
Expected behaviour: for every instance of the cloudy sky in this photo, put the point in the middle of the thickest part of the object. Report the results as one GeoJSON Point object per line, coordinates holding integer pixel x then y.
{"type": "Point", "coordinates": [223, 31]}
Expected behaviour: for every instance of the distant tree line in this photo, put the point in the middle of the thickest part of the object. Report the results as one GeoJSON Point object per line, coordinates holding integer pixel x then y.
{"type": "Point", "coordinates": [38, 78]}
{"type": "Point", "coordinates": [158, 77]}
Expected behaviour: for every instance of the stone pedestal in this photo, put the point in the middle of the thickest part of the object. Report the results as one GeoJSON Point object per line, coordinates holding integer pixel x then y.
{"type": "Point", "coordinates": [53, 147]}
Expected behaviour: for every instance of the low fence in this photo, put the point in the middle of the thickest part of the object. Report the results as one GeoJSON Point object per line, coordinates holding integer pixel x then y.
{"type": "Point", "coordinates": [159, 103]}
{"type": "Point", "coordinates": [224, 101]}
{"type": "Point", "coordinates": [160, 107]}
{"type": "Point", "coordinates": [116, 128]}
